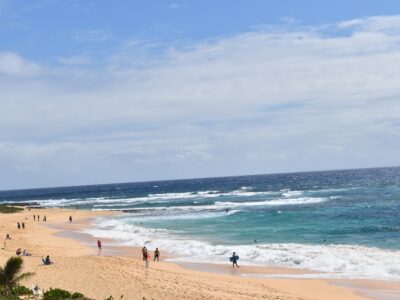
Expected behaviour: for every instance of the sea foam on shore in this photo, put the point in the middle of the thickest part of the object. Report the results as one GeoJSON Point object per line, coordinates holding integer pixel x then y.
{"type": "Point", "coordinates": [337, 261]}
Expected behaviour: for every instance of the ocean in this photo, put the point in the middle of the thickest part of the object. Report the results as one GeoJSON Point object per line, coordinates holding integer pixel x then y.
{"type": "Point", "coordinates": [344, 223]}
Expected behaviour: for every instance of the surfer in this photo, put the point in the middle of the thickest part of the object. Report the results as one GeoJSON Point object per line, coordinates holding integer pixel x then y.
{"type": "Point", "coordinates": [234, 260]}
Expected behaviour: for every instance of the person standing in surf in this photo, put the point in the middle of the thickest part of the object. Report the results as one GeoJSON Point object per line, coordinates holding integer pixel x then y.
{"type": "Point", "coordinates": [234, 260]}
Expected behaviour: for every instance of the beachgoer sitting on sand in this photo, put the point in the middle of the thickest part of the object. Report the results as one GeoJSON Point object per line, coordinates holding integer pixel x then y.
{"type": "Point", "coordinates": [156, 255]}
{"type": "Point", "coordinates": [19, 251]}
{"type": "Point", "coordinates": [8, 237]}
{"type": "Point", "coordinates": [47, 261]}
{"type": "Point", "coordinates": [37, 292]}
{"type": "Point", "coordinates": [26, 253]}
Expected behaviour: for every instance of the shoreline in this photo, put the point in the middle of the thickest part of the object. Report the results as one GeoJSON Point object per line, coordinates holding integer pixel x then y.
{"type": "Point", "coordinates": [71, 248]}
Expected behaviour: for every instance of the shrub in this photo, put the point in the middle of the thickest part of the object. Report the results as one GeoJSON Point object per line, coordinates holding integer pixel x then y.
{"type": "Point", "coordinates": [9, 209]}
{"type": "Point", "coordinates": [9, 297]}
{"type": "Point", "coordinates": [10, 275]}
{"type": "Point", "coordinates": [22, 291]}
{"type": "Point", "coordinates": [56, 294]}
{"type": "Point", "coordinates": [77, 295]}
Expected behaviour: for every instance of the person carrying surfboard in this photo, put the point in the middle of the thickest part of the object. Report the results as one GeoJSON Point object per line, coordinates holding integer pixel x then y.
{"type": "Point", "coordinates": [234, 260]}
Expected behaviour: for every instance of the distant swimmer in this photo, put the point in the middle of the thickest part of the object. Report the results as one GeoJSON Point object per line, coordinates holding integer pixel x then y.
{"type": "Point", "coordinates": [255, 241]}
{"type": "Point", "coordinates": [227, 210]}
{"type": "Point", "coordinates": [234, 260]}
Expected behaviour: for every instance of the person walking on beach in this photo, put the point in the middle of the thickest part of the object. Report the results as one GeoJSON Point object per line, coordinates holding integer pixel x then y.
{"type": "Point", "coordinates": [146, 257]}
{"type": "Point", "coordinates": [99, 246]}
{"type": "Point", "coordinates": [18, 225]}
{"type": "Point", "coordinates": [44, 219]}
{"type": "Point", "coordinates": [144, 253]}
{"type": "Point", "coordinates": [156, 255]}
{"type": "Point", "coordinates": [38, 218]}
{"type": "Point", "coordinates": [234, 260]}
{"type": "Point", "coordinates": [34, 218]}
{"type": "Point", "coordinates": [70, 219]}
{"type": "Point", "coordinates": [23, 225]}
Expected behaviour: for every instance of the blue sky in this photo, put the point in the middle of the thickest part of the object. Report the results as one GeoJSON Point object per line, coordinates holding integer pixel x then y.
{"type": "Point", "coordinates": [47, 29]}
{"type": "Point", "coordinates": [119, 91]}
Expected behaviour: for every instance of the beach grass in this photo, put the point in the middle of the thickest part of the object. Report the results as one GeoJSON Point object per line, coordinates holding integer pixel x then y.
{"type": "Point", "coordinates": [5, 209]}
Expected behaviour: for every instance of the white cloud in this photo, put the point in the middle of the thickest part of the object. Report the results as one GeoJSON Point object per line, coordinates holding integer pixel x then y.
{"type": "Point", "coordinates": [13, 64]}
{"type": "Point", "coordinates": [266, 101]}
{"type": "Point", "coordinates": [376, 23]}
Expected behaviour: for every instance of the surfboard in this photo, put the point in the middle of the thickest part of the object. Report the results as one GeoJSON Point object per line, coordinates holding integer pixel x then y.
{"type": "Point", "coordinates": [233, 258]}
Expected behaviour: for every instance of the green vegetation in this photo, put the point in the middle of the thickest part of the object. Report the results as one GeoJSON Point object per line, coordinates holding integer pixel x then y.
{"type": "Point", "coordinates": [77, 295]}
{"type": "Point", "coordinates": [22, 291]}
{"type": "Point", "coordinates": [59, 294]}
{"type": "Point", "coordinates": [9, 209]}
{"type": "Point", "coordinates": [56, 294]}
{"type": "Point", "coordinates": [10, 276]}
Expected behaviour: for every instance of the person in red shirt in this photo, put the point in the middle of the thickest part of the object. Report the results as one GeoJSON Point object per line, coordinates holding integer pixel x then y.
{"type": "Point", "coordinates": [99, 246]}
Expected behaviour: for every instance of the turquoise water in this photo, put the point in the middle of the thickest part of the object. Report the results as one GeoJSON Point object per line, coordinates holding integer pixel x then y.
{"type": "Point", "coordinates": [346, 223]}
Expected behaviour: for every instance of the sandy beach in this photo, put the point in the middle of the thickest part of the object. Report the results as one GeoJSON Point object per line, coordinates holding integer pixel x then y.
{"type": "Point", "coordinates": [120, 271]}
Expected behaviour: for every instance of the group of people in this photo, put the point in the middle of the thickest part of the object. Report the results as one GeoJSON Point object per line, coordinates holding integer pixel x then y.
{"type": "Point", "coordinates": [19, 225]}
{"type": "Point", "coordinates": [146, 256]}
{"type": "Point", "coordinates": [23, 253]}
{"type": "Point", "coordinates": [38, 218]}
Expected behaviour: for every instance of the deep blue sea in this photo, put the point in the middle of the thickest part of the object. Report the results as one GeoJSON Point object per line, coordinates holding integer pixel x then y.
{"type": "Point", "coordinates": [345, 223]}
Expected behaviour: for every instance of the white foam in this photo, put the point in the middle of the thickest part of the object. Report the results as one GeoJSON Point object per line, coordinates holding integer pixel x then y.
{"type": "Point", "coordinates": [223, 205]}
{"type": "Point", "coordinates": [289, 193]}
{"type": "Point", "coordinates": [336, 260]}
{"type": "Point", "coordinates": [150, 198]}
{"type": "Point", "coordinates": [277, 202]}
{"type": "Point", "coordinates": [185, 216]}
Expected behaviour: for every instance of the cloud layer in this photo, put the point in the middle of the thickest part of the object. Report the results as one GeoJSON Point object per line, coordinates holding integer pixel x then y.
{"type": "Point", "coordinates": [273, 100]}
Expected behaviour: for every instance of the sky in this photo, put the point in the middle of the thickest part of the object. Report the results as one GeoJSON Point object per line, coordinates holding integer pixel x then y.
{"type": "Point", "coordinates": [119, 91]}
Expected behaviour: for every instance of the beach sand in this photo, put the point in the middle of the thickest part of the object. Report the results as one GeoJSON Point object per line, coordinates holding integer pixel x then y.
{"type": "Point", "coordinates": [120, 270]}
